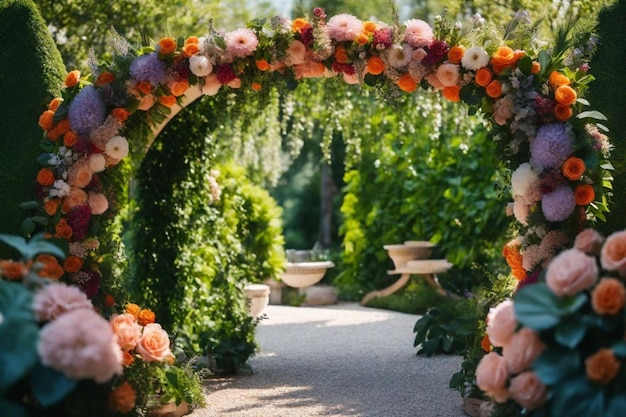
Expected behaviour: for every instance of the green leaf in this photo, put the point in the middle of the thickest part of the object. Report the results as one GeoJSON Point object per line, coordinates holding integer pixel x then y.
{"type": "Point", "coordinates": [536, 307]}
{"type": "Point", "coordinates": [525, 64]}
{"type": "Point", "coordinates": [49, 385]}
{"type": "Point", "coordinates": [28, 226]}
{"type": "Point", "coordinates": [544, 61]}
{"type": "Point", "coordinates": [18, 333]}
{"type": "Point", "coordinates": [571, 331]}
{"type": "Point", "coordinates": [576, 397]}
{"type": "Point", "coordinates": [371, 79]}
{"type": "Point", "coordinates": [592, 114]}
{"type": "Point", "coordinates": [555, 364]}
{"type": "Point", "coordinates": [29, 205]}
{"type": "Point", "coordinates": [16, 242]}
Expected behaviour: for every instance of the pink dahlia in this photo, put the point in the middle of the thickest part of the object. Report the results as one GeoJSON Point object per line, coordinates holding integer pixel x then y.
{"type": "Point", "coordinates": [344, 27]}
{"type": "Point", "coordinates": [58, 298]}
{"type": "Point", "coordinates": [241, 43]}
{"type": "Point", "coordinates": [418, 33]}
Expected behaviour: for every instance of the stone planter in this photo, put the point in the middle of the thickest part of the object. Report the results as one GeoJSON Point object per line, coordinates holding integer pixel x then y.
{"type": "Point", "coordinates": [305, 274]}
{"type": "Point", "coordinates": [169, 410]}
{"type": "Point", "coordinates": [475, 407]}
{"type": "Point", "coordinates": [258, 296]}
{"type": "Point", "coordinates": [400, 254]}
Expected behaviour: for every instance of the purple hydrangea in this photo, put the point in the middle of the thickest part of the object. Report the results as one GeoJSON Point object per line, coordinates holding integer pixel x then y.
{"type": "Point", "coordinates": [559, 204]}
{"type": "Point", "coordinates": [149, 68]}
{"type": "Point", "coordinates": [553, 144]}
{"type": "Point", "coordinates": [87, 111]}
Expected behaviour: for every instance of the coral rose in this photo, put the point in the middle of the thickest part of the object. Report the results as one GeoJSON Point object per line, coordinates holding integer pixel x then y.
{"type": "Point", "coordinates": [570, 272]}
{"type": "Point", "coordinates": [501, 323]}
{"type": "Point", "coordinates": [262, 65]}
{"type": "Point", "coordinates": [296, 53]}
{"type": "Point", "coordinates": [72, 264]}
{"type": "Point", "coordinates": [45, 177]}
{"type": "Point", "coordinates": [448, 74]}
{"type": "Point", "coordinates": [608, 297]}
{"type": "Point", "coordinates": [178, 88]}
{"type": "Point", "coordinates": [573, 168]}
{"type": "Point", "coordinates": [562, 112]}
{"type": "Point", "coordinates": [491, 376]}
{"type": "Point", "coordinates": [527, 390]}
{"type": "Point", "coordinates": [452, 93]}
{"type": "Point", "coordinates": [524, 347]}
{"type": "Point", "coordinates": [602, 366]}
{"type": "Point", "coordinates": [584, 194]}
{"type": "Point", "coordinates": [122, 399]}
{"type": "Point", "coordinates": [154, 344]}
{"type": "Point", "coordinates": [81, 345]}
{"type": "Point", "coordinates": [63, 230]}
{"type": "Point", "coordinates": [106, 77]}
{"type": "Point", "coordinates": [46, 121]}
{"type": "Point", "coordinates": [146, 316]}
{"type": "Point", "coordinates": [13, 270]}
{"type": "Point", "coordinates": [589, 241]}
{"type": "Point", "coordinates": [120, 113]}
{"type": "Point", "coordinates": [49, 267]}
{"type": "Point", "coordinates": [166, 46]}
{"type": "Point", "coordinates": [613, 254]}
{"type": "Point", "coordinates": [565, 95]}
{"type": "Point", "coordinates": [483, 77]}
{"type": "Point", "coordinates": [406, 83]}
{"type": "Point", "coordinates": [72, 78]}
{"type": "Point", "coordinates": [557, 79]}
{"type": "Point", "coordinates": [70, 138]}
{"type": "Point", "coordinates": [98, 203]}
{"type": "Point", "coordinates": [127, 330]}
{"type": "Point", "coordinates": [80, 174]}
{"type": "Point", "coordinates": [375, 65]}
{"type": "Point", "coordinates": [494, 89]}
{"type": "Point", "coordinates": [77, 197]}
{"type": "Point", "coordinates": [167, 101]}
{"type": "Point", "coordinates": [455, 54]}
{"type": "Point", "coordinates": [503, 57]}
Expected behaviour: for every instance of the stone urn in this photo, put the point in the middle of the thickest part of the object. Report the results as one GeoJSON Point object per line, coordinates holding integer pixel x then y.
{"type": "Point", "coordinates": [400, 254]}
{"type": "Point", "coordinates": [305, 274]}
{"type": "Point", "coordinates": [258, 296]}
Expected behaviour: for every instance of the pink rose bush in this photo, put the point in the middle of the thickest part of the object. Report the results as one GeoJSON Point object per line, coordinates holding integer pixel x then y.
{"type": "Point", "coordinates": [566, 351]}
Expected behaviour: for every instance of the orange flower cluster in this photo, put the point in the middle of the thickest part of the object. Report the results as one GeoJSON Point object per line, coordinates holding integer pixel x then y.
{"type": "Point", "coordinates": [143, 315]}
{"type": "Point", "coordinates": [514, 259]}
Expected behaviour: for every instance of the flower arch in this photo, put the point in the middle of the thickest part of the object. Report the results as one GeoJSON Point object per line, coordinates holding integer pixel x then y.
{"type": "Point", "coordinates": [551, 143]}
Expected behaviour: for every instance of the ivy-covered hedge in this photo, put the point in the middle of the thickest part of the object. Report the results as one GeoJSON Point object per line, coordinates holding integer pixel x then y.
{"type": "Point", "coordinates": [31, 74]}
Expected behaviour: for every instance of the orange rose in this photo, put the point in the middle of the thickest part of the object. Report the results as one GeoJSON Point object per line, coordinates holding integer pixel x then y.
{"type": "Point", "coordinates": [483, 77]}
{"type": "Point", "coordinates": [584, 194]}
{"type": "Point", "coordinates": [298, 24]}
{"type": "Point", "coordinates": [503, 57]}
{"type": "Point", "coordinates": [573, 168]}
{"type": "Point", "coordinates": [362, 38]}
{"type": "Point", "coordinates": [262, 65]}
{"type": "Point", "coordinates": [256, 86]}
{"type": "Point", "coordinates": [375, 65]}
{"type": "Point", "coordinates": [72, 78]}
{"type": "Point", "coordinates": [46, 121]}
{"type": "Point", "coordinates": [557, 79]}
{"type": "Point", "coordinates": [145, 316]}
{"type": "Point", "coordinates": [515, 260]}
{"type": "Point", "coordinates": [369, 26]}
{"type": "Point", "coordinates": [167, 101]}
{"type": "Point", "coordinates": [120, 113]}
{"type": "Point", "coordinates": [144, 87]}
{"type": "Point", "coordinates": [190, 49]}
{"type": "Point", "coordinates": [51, 206]}
{"type": "Point", "coordinates": [602, 366]}
{"type": "Point", "coordinates": [452, 93]}
{"type": "Point", "coordinates": [562, 112]}
{"type": "Point", "coordinates": [106, 77]}
{"type": "Point", "coordinates": [126, 329]}
{"type": "Point", "coordinates": [45, 177]}
{"type": "Point", "coordinates": [485, 344]}
{"type": "Point", "coordinates": [565, 95]}
{"type": "Point", "coordinates": [63, 126]}
{"type": "Point", "coordinates": [63, 230]}
{"type": "Point", "coordinates": [341, 56]}
{"type": "Point", "coordinates": [77, 197]}
{"type": "Point", "coordinates": [608, 297]}
{"type": "Point", "coordinates": [70, 138]}
{"type": "Point", "coordinates": [109, 300]}
{"type": "Point", "coordinates": [406, 83]}
{"type": "Point", "coordinates": [132, 308]}
{"type": "Point", "coordinates": [122, 399]}
{"type": "Point", "coordinates": [50, 267]}
{"type": "Point", "coordinates": [154, 344]}
{"type": "Point", "coordinates": [72, 264]}
{"type": "Point", "coordinates": [494, 89]}
{"type": "Point", "coordinates": [79, 175]}
{"type": "Point", "coordinates": [55, 103]}
{"type": "Point", "coordinates": [127, 358]}
{"type": "Point", "coordinates": [455, 54]}
{"type": "Point", "coordinates": [178, 88]}
{"type": "Point", "coordinates": [53, 134]}
{"type": "Point", "coordinates": [13, 270]}
{"type": "Point", "coordinates": [192, 39]}
{"type": "Point", "coordinates": [536, 68]}
{"type": "Point", "coordinates": [167, 46]}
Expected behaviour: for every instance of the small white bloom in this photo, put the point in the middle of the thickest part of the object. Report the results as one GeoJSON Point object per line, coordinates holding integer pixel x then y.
{"type": "Point", "coordinates": [475, 58]}
{"type": "Point", "coordinates": [60, 189]}
{"type": "Point", "coordinates": [399, 56]}
{"type": "Point", "coordinates": [200, 65]}
{"type": "Point", "coordinates": [117, 147]}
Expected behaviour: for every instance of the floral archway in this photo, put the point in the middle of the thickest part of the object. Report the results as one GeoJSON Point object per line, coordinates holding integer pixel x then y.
{"type": "Point", "coordinates": [551, 142]}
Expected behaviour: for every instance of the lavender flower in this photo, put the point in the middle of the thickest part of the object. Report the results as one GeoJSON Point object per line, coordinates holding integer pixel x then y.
{"type": "Point", "coordinates": [87, 111]}
{"type": "Point", "coordinates": [148, 67]}
{"type": "Point", "coordinates": [559, 204]}
{"type": "Point", "coordinates": [552, 146]}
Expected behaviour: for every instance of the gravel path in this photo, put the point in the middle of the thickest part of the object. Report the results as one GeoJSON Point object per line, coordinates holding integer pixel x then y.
{"type": "Point", "coordinates": [341, 360]}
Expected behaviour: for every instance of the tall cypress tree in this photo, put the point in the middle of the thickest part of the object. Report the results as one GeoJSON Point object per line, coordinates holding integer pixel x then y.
{"type": "Point", "coordinates": [607, 95]}
{"type": "Point", "coordinates": [31, 74]}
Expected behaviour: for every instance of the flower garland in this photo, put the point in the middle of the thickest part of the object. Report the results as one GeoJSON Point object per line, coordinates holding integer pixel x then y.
{"type": "Point", "coordinates": [553, 147]}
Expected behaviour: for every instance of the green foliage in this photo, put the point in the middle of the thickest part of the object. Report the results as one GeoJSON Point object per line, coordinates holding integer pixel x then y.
{"type": "Point", "coordinates": [30, 75]}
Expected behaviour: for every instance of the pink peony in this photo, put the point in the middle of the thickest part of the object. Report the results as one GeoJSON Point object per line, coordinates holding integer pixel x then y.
{"type": "Point", "coordinates": [127, 330]}
{"type": "Point", "coordinates": [570, 272]}
{"type": "Point", "coordinates": [79, 174]}
{"type": "Point", "coordinates": [501, 323]}
{"type": "Point", "coordinates": [81, 345]}
{"type": "Point", "coordinates": [211, 85]}
{"type": "Point", "coordinates": [524, 347]}
{"type": "Point", "coordinates": [418, 33]}
{"type": "Point", "coordinates": [154, 344]}
{"type": "Point", "coordinates": [448, 74]}
{"type": "Point", "coordinates": [58, 298]}
{"type": "Point", "coordinates": [491, 376]}
{"type": "Point", "coordinates": [98, 203]}
{"type": "Point", "coordinates": [241, 43]}
{"type": "Point", "coordinates": [589, 241]}
{"type": "Point", "coordinates": [613, 254]}
{"type": "Point", "coordinates": [343, 27]}
{"type": "Point", "coordinates": [527, 390]}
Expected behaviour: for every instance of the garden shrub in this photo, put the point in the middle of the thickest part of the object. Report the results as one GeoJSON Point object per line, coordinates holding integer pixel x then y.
{"type": "Point", "coordinates": [31, 74]}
